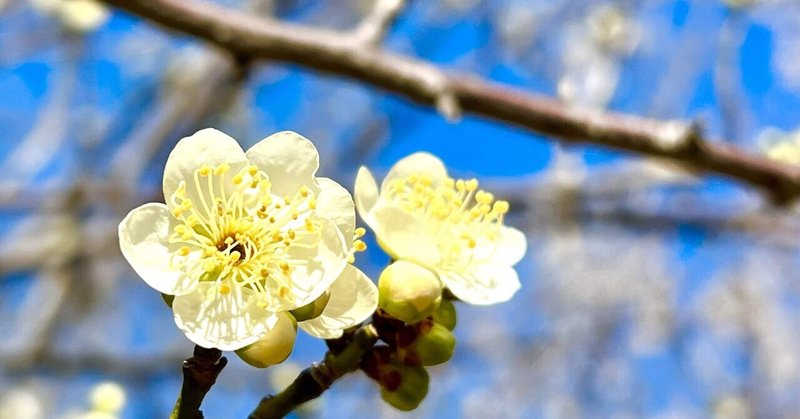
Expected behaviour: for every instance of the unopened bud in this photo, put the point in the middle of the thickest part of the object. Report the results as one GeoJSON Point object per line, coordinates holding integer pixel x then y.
{"type": "Point", "coordinates": [433, 346]}
{"type": "Point", "coordinates": [313, 309]}
{"type": "Point", "coordinates": [446, 314]}
{"type": "Point", "coordinates": [275, 346]}
{"type": "Point", "coordinates": [408, 292]}
{"type": "Point", "coordinates": [404, 387]}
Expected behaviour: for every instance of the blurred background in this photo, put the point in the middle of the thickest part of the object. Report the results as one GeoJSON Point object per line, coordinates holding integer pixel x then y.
{"type": "Point", "coordinates": [647, 292]}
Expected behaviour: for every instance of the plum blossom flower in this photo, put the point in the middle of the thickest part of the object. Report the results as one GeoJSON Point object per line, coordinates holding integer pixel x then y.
{"type": "Point", "coordinates": [445, 225]}
{"type": "Point", "coordinates": [245, 236]}
{"type": "Point", "coordinates": [81, 16]}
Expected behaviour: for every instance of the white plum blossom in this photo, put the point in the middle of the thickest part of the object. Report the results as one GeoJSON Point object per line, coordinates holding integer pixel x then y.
{"type": "Point", "coordinates": [244, 236]}
{"type": "Point", "coordinates": [448, 226]}
{"type": "Point", "coordinates": [77, 15]}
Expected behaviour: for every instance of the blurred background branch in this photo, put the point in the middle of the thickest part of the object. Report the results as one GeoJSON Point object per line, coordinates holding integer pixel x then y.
{"type": "Point", "coordinates": [647, 291]}
{"type": "Point", "coordinates": [249, 37]}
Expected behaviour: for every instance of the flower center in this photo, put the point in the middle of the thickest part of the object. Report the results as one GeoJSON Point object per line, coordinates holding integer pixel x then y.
{"type": "Point", "coordinates": [233, 231]}
{"type": "Point", "coordinates": [460, 216]}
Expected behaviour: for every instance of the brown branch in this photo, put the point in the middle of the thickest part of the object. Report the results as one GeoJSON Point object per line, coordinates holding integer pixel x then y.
{"type": "Point", "coordinates": [199, 375]}
{"type": "Point", "coordinates": [314, 380]}
{"type": "Point", "coordinates": [251, 37]}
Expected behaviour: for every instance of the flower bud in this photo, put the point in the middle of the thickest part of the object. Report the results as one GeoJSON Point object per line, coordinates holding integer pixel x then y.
{"type": "Point", "coordinates": [446, 314]}
{"type": "Point", "coordinates": [274, 347]}
{"type": "Point", "coordinates": [433, 346]}
{"type": "Point", "coordinates": [408, 292]}
{"type": "Point", "coordinates": [313, 309]}
{"type": "Point", "coordinates": [404, 387]}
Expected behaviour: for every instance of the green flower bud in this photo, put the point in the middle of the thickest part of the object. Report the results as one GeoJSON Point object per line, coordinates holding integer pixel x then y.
{"type": "Point", "coordinates": [408, 292]}
{"type": "Point", "coordinates": [404, 387]}
{"type": "Point", "coordinates": [432, 347]}
{"type": "Point", "coordinates": [313, 309]}
{"type": "Point", "coordinates": [274, 347]}
{"type": "Point", "coordinates": [446, 314]}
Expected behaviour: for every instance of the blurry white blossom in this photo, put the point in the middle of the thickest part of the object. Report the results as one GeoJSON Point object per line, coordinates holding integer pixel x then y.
{"type": "Point", "coordinates": [76, 15]}
{"type": "Point", "coordinates": [780, 145]}
{"type": "Point", "coordinates": [592, 50]}
{"type": "Point", "coordinates": [21, 403]}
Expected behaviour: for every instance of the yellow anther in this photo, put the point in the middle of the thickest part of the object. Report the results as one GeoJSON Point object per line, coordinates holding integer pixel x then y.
{"type": "Point", "coordinates": [501, 207]}
{"type": "Point", "coordinates": [291, 234]}
{"type": "Point", "coordinates": [359, 246]}
{"type": "Point", "coordinates": [312, 203]}
{"type": "Point", "coordinates": [359, 232]}
{"type": "Point", "coordinates": [284, 265]}
{"type": "Point", "coordinates": [222, 169]}
{"type": "Point", "coordinates": [471, 243]}
{"type": "Point", "coordinates": [238, 179]}
{"type": "Point", "coordinates": [234, 256]}
{"type": "Point", "coordinates": [254, 183]}
{"type": "Point", "coordinates": [471, 184]}
{"type": "Point", "coordinates": [449, 183]}
{"type": "Point", "coordinates": [224, 289]}
{"type": "Point", "coordinates": [210, 266]}
{"type": "Point", "coordinates": [184, 251]}
{"type": "Point", "coordinates": [192, 220]}
{"type": "Point", "coordinates": [252, 170]}
{"type": "Point", "coordinates": [304, 191]}
{"type": "Point", "coordinates": [272, 220]}
{"type": "Point", "coordinates": [295, 215]}
{"type": "Point", "coordinates": [264, 272]}
{"type": "Point", "coordinates": [310, 225]}
{"type": "Point", "coordinates": [204, 171]}
{"type": "Point", "coordinates": [484, 197]}
{"type": "Point", "coordinates": [186, 204]}
{"type": "Point", "coordinates": [176, 212]}
{"type": "Point", "coordinates": [283, 292]}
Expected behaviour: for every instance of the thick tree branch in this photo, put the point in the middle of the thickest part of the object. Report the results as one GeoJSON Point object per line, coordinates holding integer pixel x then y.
{"type": "Point", "coordinates": [250, 37]}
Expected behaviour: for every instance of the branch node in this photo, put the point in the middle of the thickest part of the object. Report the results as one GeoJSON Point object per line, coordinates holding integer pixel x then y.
{"type": "Point", "coordinates": [680, 137]}
{"type": "Point", "coordinates": [448, 107]}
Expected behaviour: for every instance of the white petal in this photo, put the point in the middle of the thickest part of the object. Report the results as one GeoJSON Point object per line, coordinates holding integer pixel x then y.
{"type": "Point", "coordinates": [403, 236]}
{"type": "Point", "coordinates": [326, 256]}
{"type": "Point", "coordinates": [510, 248]}
{"type": "Point", "coordinates": [289, 159]}
{"type": "Point", "coordinates": [482, 284]}
{"type": "Point", "coordinates": [143, 235]}
{"type": "Point", "coordinates": [353, 299]}
{"type": "Point", "coordinates": [335, 203]}
{"type": "Point", "coordinates": [227, 321]}
{"type": "Point", "coordinates": [207, 146]}
{"type": "Point", "coordinates": [366, 193]}
{"type": "Point", "coordinates": [417, 163]}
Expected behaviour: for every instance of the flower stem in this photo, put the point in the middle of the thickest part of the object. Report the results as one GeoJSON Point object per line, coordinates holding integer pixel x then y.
{"type": "Point", "coordinates": [199, 374]}
{"type": "Point", "coordinates": [314, 380]}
